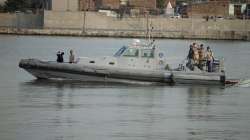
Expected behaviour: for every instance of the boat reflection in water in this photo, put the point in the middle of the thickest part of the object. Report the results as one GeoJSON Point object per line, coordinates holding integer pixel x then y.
{"type": "Point", "coordinates": [148, 108]}
{"type": "Point", "coordinates": [206, 110]}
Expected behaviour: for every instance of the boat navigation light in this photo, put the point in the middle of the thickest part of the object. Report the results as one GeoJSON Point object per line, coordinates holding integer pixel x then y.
{"type": "Point", "coordinates": [136, 41]}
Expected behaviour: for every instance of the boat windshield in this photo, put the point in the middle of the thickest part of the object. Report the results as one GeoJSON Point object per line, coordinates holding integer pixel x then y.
{"type": "Point", "coordinates": [131, 52]}
{"type": "Point", "coordinates": [120, 51]}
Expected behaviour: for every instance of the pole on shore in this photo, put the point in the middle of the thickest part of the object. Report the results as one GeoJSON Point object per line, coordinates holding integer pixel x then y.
{"type": "Point", "coordinates": [84, 22]}
{"type": "Point", "coordinates": [84, 18]}
{"type": "Point", "coordinates": [67, 5]}
{"type": "Point", "coordinates": [147, 29]}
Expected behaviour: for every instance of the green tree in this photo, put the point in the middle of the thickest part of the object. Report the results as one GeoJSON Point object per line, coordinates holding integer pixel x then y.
{"type": "Point", "coordinates": [160, 4]}
{"type": "Point", "coordinates": [16, 5]}
{"type": "Point", "coordinates": [1, 8]}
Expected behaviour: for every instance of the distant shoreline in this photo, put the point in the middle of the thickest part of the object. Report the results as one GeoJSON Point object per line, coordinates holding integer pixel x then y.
{"type": "Point", "coordinates": [123, 34]}
{"type": "Point", "coordinates": [94, 24]}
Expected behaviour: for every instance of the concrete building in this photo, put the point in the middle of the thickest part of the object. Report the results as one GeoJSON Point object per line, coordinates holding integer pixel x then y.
{"type": "Point", "coordinates": [172, 2]}
{"type": "Point", "coordinates": [199, 8]}
{"type": "Point", "coordinates": [148, 4]}
{"type": "Point", "coordinates": [94, 5]}
{"type": "Point", "coordinates": [169, 10]}
{"type": "Point", "coordinates": [65, 5]}
{"type": "Point", "coordinates": [239, 8]}
{"type": "Point", "coordinates": [88, 5]}
{"type": "Point", "coordinates": [127, 6]}
{"type": "Point", "coordinates": [110, 4]}
{"type": "Point", "coordinates": [218, 8]}
{"type": "Point", "coordinates": [116, 4]}
{"type": "Point", "coordinates": [248, 11]}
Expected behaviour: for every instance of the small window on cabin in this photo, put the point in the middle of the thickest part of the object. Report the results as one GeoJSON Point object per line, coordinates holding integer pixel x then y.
{"type": "Point", "coordinates": [120, 51]}
{"type": "Point", "coordinates": [148, 53]}
{"type": "Point", "coordinates": [131, 52]}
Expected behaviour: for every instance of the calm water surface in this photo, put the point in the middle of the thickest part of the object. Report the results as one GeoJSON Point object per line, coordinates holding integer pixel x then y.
{"type": "Point", "coordinates": [63, 110]}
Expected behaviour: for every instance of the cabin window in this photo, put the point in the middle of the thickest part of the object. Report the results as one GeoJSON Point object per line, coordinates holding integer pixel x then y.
{"type": "Point", "coordinates": [148, 53]}
{"type": "Point", "coordinates": [120, 51]}
{"type": "Point", "coordinates": [131, 52]}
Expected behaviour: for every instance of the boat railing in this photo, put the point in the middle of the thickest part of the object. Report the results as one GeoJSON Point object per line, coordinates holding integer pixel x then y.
{"type": "Point", "coordinates": [218, 65]}
{"type": "Point", "coordinates": [222, 67]}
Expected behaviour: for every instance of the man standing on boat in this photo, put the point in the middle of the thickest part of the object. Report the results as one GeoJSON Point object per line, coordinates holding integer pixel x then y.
{"type": "Point", "coordinates": [60, 57]}
{"type": "Point", "coordinates": [190, 52]}
{"type": "Point", "coordinates": [209, 59]}
{"type": "Point", "coordinates": [201, 57]}
{"type": "Point", "coordinates": [71, 57]}
{"type": "Point", "coordinates": [196, 54]}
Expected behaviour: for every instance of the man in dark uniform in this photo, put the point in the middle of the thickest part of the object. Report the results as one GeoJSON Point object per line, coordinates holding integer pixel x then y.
{"type": "Point", "coordinates": [60, 57]}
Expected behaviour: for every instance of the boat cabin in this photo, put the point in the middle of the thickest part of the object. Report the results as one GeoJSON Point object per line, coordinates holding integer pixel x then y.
{"type": "Point", "coordinates": [134, 56]}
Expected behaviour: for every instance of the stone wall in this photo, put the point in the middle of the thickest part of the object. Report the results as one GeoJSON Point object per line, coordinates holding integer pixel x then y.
{"type": "Point", "coordinates": [7, 20]}
{"type": "Point", "coordinates": [231, 35]}
{"type": "Point", "coordinates": [65, 5]}
{"type": "Point", "coordinates": [99, 21]}
{"type": "Point", "coordinates": [179, 28]}
{"type": "Point", "coordinates": [68, 20]}
{"type": "Point", "coordinates": [97, 24]}
{"type": "Point", "coordinates": [21, 20]}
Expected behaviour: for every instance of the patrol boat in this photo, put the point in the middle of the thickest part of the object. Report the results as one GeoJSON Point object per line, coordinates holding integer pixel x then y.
{"type": "Point", "coordinates": [134, 63]}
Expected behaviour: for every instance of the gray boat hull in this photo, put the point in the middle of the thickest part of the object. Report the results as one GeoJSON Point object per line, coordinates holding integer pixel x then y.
{"type": "Point", "coordinates": [51, 70]}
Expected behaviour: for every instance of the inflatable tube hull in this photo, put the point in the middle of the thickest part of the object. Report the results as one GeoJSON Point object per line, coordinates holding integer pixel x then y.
{"type": "Point", "coordinates": [52, 70]}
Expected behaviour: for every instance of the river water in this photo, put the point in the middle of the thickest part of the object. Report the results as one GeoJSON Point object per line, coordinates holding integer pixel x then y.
{"type": "Point", "coordinates": [62, 110]}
